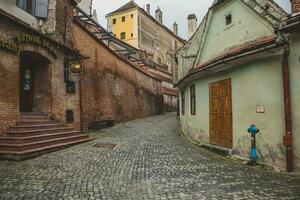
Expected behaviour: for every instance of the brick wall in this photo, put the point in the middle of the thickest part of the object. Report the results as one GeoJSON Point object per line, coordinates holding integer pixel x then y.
{"type": "Point", "coordinates": [54, 72]}
{"type": "Point", "coordinates": [112, 88]}
{"type": "Point", "coordinates": [295, 6]}
{"type": "Point", "coordinates": [59, 21]}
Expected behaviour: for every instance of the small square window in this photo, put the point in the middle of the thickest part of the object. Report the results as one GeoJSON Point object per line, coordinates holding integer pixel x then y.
{"type": "Point", "coordinates": [131, 34]}
{"type": "Point", "coordinates": [123, 35]}
{"type": "Point", "coordinates": [123, 19]}
{"type": "Point", "coordinates": [114, 21]}
{"type": "Point", "coordinates": [228, 19]}
{"type": "Point", "coordinates": [131, 15]}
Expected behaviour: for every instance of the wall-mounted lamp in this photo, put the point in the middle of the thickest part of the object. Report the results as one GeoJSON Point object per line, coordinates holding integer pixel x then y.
{"type": "Point", "coordinates": [77, 68]}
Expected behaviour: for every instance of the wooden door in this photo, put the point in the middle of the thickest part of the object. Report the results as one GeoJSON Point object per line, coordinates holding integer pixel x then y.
{"type": "Point", "coordinates": [220, 117]}
{"type": "Point", "coordinates": [26, 90]}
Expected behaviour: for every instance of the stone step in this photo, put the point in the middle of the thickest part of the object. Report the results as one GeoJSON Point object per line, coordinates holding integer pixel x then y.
{"type": "Point", "coordinates": [21, 155]}
{"type": "Point", "coordinates": [36, 138]}
{"type": "Point", "coordinates": [34, 122]}
{"type": "Point", "coordinates": [37, 132]}
{"type": "Point", "coordinates": [32, 114]}
{"type": "Point", "coordinates": [29, 117]}
{"type": "Point", "coordinates": [35, 127]}
{"type": "Point", "coordinates": [40, 144]}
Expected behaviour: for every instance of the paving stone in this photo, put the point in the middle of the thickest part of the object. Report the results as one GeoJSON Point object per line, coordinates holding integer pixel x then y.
{"type": "Point", "coordinates": [150, 161]}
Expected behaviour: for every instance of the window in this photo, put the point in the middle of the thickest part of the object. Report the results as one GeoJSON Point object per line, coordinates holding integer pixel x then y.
{"type": "Point", "coordinates": [26, 5]}
{"type": "Point", "coordinates": [182, 103]}
{"type": "Point", "coordinates": [131, 34]}
{"type": "Point", "coordinates": [193, 100]}
{"type": "Point", "coordinates": [123, 19]}
{"type": "Point", "coordinates": [37, 8]}
{"type": "Point", "coordinates": [228, 19]}
{"type": "Point", "coordinates": [123, 35]}
{"type": "Point", "coordinates": [114, 21]}
{"type": "Point", "coordinates": [131, 15]}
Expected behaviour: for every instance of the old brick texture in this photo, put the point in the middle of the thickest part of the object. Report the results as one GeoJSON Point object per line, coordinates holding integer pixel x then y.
{"type": "Point", "coordinates": [295, 6]}
{"type": "Point", "coordinates": [113, 89]}
{"type": "Point", "coordinates": [50, 88]}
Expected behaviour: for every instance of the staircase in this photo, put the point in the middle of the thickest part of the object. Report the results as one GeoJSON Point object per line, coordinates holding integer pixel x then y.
{"type": "Point", "coordinates": [35, 134]}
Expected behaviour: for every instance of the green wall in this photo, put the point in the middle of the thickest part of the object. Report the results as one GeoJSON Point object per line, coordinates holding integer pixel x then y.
{"type": "Point", "coordinates": [255, 83]}
{"type": "Point", "coordinates": [246, 26]}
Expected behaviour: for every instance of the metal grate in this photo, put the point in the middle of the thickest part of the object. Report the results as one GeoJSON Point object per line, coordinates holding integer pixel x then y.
{"type": "Point", "coordinates": [105, 145]}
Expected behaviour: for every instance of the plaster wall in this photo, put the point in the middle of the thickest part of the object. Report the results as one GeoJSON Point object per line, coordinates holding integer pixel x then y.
{"type": "Point", "coordinates": [130, 26]}
{"type": "Point", "coordinates": [255, 83]}
{"type": "Point", "coordinates": [219, 38]}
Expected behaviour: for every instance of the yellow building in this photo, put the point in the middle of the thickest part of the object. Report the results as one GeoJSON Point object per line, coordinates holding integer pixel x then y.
{"type": "Point", "coordinates": [139, 28]}
{"type": "Point", "coordinates": [123, 23]}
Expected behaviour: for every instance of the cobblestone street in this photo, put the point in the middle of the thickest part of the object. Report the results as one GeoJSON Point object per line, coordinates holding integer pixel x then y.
{"type": "Point", "coordinates": [150, 161]}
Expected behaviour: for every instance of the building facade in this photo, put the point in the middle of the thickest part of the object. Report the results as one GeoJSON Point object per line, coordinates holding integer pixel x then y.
{"type": "Point", "coordinates": [114, 88]}
{"type": "Point", "coordinates": [36, 54]}
{"type": "Point", "coordinates": [231, 76]}
{"type": "Point", "coordinates": [157, 44]}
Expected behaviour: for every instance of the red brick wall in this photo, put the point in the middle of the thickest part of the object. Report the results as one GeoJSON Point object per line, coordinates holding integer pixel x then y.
{"type": "Point", "coordinates": [112, 88]}
{"type": "Point", "coordinates": [60, 14]}
{"type": "Point", "coordinates": [9, 80]}
{"type": "Point", "coordinates": [295, 6]}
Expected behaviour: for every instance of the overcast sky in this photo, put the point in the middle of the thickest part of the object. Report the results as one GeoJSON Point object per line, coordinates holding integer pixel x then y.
{"type": "Point", "coordinates": [173, 10]}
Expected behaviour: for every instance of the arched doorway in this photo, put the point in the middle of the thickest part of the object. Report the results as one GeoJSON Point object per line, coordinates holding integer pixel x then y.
{"type": "Point", "coordinates": [35, 83]}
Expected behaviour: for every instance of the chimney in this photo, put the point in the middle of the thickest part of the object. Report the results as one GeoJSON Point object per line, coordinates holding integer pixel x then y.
{"type": "Point", "coordinates": [295, 6]}
{"type": "Point", "coordinates": [158, 15]}
{"type": "Point", "coordinates": [148, 8]}
{"type": "Point", "coordinates": [95, 16]}
{"type": "Point", "coordinates": [175, 28]}
{"type": "Point", "coordinates": [192, 25]}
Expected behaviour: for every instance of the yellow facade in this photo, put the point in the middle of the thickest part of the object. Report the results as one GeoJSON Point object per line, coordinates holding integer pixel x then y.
{"type": "Point", "coordinates": [129, 26]}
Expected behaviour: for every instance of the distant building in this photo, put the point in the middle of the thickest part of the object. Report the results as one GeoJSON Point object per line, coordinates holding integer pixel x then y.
{"type": "Point", "coordinates": [158, 44]}
{"type": "Point", "coordinates": [138, 28]}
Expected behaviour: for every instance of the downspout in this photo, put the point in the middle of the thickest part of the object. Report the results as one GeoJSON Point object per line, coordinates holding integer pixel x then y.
{"type": "Point", "coordinates": [288, 137]}
{"type": "Point", "coordinates": [80, 101]}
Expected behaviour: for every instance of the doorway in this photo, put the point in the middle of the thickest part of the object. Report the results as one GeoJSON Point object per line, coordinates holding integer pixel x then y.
{"type": "Point", "coordinates": [34, 82]}
{"type": "Point", "coordinates": [220, 113]}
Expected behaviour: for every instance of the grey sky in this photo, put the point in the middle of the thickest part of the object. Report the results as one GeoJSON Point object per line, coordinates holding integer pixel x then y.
{"type": "Point", "coordinates": [173, 10]}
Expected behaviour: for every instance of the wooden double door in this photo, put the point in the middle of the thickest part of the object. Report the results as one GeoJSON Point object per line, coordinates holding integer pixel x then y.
{"type": "Point", "coordinates": [220, 117]}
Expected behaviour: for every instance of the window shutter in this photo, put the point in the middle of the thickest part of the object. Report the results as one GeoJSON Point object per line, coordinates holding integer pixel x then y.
{"type": "Point", "coordinates": [41, 8]}
{"type": "Point", "coordinates": [21, 4]}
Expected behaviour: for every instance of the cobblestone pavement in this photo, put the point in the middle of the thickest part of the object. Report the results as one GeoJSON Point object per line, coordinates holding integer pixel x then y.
{"type": "Point", "coordinates": [151, 161]}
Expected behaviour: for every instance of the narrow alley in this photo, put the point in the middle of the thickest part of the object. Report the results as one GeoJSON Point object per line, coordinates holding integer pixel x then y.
{"type": "Point", "coordinates": [141, 159]}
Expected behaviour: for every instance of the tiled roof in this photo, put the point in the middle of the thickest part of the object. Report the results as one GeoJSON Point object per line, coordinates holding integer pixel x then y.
{"type": "Point", "coordinates": [129, 5]}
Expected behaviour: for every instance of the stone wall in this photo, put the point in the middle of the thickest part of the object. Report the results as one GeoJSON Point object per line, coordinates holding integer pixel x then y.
{"type": "Point", "coordinates": [112, 88]}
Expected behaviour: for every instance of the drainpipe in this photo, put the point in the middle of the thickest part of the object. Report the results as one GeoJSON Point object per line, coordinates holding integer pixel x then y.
{"type": "Point", "coordinates": [288, 137]}
{"type": "Point", "coordinates": [80, 101]}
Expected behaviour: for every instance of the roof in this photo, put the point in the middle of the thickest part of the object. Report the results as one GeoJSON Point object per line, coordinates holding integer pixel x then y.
{"type": "Point", "coordinates": [291, 24]}
{"type": "Point", "coordinates": [131, 4]}
{"type": "Point", "coordinates": [247, 49]}
{"type": "Point", "coordinates": [267, 9]}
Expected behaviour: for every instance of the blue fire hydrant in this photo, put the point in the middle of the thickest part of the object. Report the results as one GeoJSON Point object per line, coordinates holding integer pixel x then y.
{"type": "Point", "coordinates": [253, 130]}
